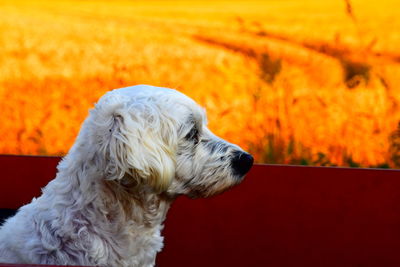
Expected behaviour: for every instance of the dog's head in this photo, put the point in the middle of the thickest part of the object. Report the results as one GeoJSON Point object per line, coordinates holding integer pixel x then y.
{"type": "Point", "coordinates": [158, 138]}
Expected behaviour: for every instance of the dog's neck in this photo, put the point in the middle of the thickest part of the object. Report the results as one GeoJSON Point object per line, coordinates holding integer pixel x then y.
{"type": "Point", "coordinates": [110, 213]}
{"type": "Point", "coordinates": [137, 204]}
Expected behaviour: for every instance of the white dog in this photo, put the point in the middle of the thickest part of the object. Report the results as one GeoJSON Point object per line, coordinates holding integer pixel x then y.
{"type": "Point", "coordinates": [138, 150]}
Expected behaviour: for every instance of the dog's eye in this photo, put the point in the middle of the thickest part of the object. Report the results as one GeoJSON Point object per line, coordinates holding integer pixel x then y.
{"type": "Point", "coordinates": [193, 135]}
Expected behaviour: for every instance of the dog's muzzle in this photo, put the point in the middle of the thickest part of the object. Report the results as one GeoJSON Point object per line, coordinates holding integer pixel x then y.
{"type": "Point", "coordinates": [241, 163]}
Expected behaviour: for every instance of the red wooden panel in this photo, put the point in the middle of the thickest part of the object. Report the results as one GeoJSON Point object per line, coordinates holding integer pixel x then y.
{"type": "Point", "coordinates": [291, 216]}
{"type": "Point", "coordinates": [22, 178]}
{"type": "Point", "coordinates": [279, 216]}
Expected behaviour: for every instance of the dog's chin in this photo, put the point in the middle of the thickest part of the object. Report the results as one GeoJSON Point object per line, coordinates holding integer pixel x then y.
{"type": "Point", "coordinates": [193, 194]}
{"type": "Point", "coordinates": [212, 191]}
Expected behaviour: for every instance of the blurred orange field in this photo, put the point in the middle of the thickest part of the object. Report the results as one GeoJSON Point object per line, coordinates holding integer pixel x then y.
{"type": "Point", "coordinates": [301, 82]}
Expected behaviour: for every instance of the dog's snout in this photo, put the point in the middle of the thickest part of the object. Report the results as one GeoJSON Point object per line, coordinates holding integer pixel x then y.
{"type": "Point", "coordinates": [242, 162]}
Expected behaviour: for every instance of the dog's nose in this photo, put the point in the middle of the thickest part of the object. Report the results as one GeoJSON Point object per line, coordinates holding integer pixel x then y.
{"type": "Point", "coordinates": [242, 162]}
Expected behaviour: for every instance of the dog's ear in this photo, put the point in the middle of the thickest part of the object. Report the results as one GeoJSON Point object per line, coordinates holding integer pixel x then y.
{"type": "Point", "coordinates": [137, 141]}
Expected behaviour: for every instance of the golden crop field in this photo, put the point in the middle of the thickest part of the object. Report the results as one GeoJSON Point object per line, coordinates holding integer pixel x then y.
{"type": "Point", "coordinates": [302, 82]}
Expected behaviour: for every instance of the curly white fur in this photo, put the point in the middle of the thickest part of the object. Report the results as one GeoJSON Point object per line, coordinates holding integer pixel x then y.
{"type": "Point", "coordinates": [139, 149]}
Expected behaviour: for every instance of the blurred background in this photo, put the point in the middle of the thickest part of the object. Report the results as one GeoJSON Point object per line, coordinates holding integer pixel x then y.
{"type": "Point", "coordinates": [294, 82]}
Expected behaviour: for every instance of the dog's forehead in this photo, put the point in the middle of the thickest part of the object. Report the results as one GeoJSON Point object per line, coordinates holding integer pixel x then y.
{"type": "Point", "coordinates": [143, 90]}
{"type": "Point", "coordinates": [178, 103]}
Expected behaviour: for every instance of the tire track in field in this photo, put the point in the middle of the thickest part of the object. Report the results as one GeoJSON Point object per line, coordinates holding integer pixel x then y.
{"type": "Point", "coordinates": [270, 53]}
{"type": "Point", "coordinates": [356, 63]}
